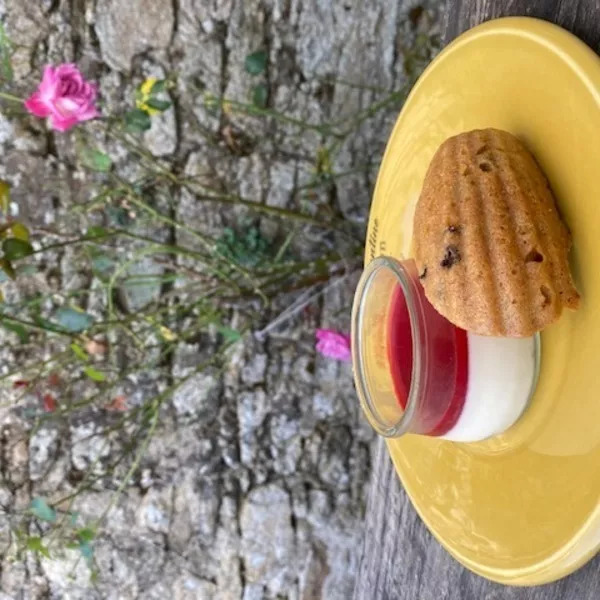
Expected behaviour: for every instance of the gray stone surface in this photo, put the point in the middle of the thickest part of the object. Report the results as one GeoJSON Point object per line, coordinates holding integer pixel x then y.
{"type": "Point", "coordinates": [198, 397]}
{"type": "Point", "coordinates": [254, 484]}
{"type": "Point", "coordinates": [127, 29]}
{"type": "Point", "coordinates": [268, 544]}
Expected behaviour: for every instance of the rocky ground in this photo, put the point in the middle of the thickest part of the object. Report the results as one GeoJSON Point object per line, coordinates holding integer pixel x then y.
{"type": "Point", "coordinates": [255, 483]}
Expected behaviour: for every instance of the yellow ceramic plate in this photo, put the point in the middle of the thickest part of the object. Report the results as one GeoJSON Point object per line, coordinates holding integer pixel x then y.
{"type": "Point", "coordinates": [522, 508]}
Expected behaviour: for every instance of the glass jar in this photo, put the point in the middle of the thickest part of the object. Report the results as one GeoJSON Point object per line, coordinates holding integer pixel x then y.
{"type": "Point", "coordinates": [415, 372]}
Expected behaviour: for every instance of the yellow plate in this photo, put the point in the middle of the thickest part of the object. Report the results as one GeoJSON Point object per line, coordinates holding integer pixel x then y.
{"type": "Point", "coordinates": [521, 508]}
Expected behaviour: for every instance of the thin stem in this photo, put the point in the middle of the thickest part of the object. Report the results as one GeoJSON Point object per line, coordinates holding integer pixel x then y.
{"type": "Point", "coordinates": [254, 110]}
{"type": "Point", "coordinates": [154, 406]}
{"type": "Point", "coordinates": [208, 243]}
{"type": "Point", "coordinates": [273, 211]}
{"type": "Point", "coordinates": [105, 235]}
{"type": "Point", "coordinates": [35, 326]}
{"type": "Point", "coordinates": [10, 97]}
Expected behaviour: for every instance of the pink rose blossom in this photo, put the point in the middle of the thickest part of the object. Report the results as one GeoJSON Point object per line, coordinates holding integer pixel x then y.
{"type": "Point", "coordinates": [64, 96]}
{"type": "Point", "coordinates": [333, 344]}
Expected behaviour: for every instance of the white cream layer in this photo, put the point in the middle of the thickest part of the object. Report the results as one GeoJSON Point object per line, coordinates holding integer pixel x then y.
{"type": "Point", "coordinates": [502, 376]}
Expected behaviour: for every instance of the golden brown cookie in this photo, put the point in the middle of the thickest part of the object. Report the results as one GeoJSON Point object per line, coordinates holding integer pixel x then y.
{"type": "Point", "coordinates": [488, 240]}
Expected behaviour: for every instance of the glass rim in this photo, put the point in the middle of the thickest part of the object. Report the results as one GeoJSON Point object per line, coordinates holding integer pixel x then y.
{"type": "Point", "coordinates": [368, 403]}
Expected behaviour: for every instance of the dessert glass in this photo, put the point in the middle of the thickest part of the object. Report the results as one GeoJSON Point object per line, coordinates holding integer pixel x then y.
{"type": "Point", "coordinates": [416, 372]}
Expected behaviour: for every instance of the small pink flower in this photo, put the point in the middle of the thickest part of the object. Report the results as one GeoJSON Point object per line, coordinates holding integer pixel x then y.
{"type": "Point", "coordinates": [64, 96]}
{"type": "Point", "coordinates": [333, 344]}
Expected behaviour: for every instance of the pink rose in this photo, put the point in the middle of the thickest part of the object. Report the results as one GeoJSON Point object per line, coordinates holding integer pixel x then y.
{"type": "Point", "coordinates": [64, 96]}
{"type": "Point", "coordinates": [333, 344]}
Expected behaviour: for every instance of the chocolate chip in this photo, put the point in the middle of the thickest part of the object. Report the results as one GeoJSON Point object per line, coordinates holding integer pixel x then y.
{"type": "Point", "coordinates": [451, 257]}
{"type": "Point", "coordinates": [534, 256]}
{"type": "Point", "coordinates": [453, 228]}
{"type": "Point", "coordinates": [423, 274]}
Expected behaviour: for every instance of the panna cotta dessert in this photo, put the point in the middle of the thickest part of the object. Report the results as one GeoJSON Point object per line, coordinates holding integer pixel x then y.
{"type": "Point", "coordinates": [418, 373]}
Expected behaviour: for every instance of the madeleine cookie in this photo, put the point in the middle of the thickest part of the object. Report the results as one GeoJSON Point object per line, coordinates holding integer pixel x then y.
{"type": "Point", "coordinates": [488, 240]}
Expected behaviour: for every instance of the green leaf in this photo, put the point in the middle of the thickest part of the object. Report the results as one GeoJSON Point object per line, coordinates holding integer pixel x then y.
{"type": "Point", "coordinates": [4, 197]}
{"type": "Point", "coordinates": [96, 160]}
{"type": "Point", "coordinates": [20, 231]}
{"type": "Point", "coordinates": [95, 232]}
{"type": "Point", "coordinates": [260, 94]}
{"type": "Point", "coordinates": [40, 509]}
{"type": "Point", "coordinates": [137, 121]}
{"type": "Point", "coordinates": [14, 249]}
{"type": "Point", "coordinates": [35, 544]}
{"type": "Point", "coordinates": [256, 62]}
{"type": "Point", "coordinates": [229, 334]}
{"type": "Point", "coordinates": [94, 374]}
{"type": "Point", "coordinates": [79, 352]}
{"type": "Point", "coordinates": [156, 104]}
{"type": "Point", "coordinates": [86, 534]}
{"type": "Point", "coordinates": [21, 332]}
{"type": "Point", "coordinates": [160, 85]}
{"type": "Point", "coordinates": [7, 268]}
{"type": "Point", "coordinates": [73, 320]}
{"type": "Point", "coordinates": [102, 264]}
{"type": "Point", "coordinates": [87, 551]}
{"type": "Point", "coordinates": [46, 324]}
{"type": "Point", "coordinates": [247, 248]}
{"type": "Point", "coordinates": [118, 215]}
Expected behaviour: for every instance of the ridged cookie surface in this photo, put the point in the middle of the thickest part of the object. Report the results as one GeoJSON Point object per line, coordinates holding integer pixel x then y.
{"type": "Point", "coordinates": [488, 240]}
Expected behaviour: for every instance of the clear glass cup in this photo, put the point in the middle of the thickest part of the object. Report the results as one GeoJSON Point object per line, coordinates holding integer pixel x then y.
{"type": "Point", "coordinates": [416, 372]}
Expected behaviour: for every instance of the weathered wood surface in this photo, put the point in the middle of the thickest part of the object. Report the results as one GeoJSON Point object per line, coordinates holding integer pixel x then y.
{"type": "Point", "coordinates": [400, 559]}
{"type": "Point", "coordinates": [581, 17]}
